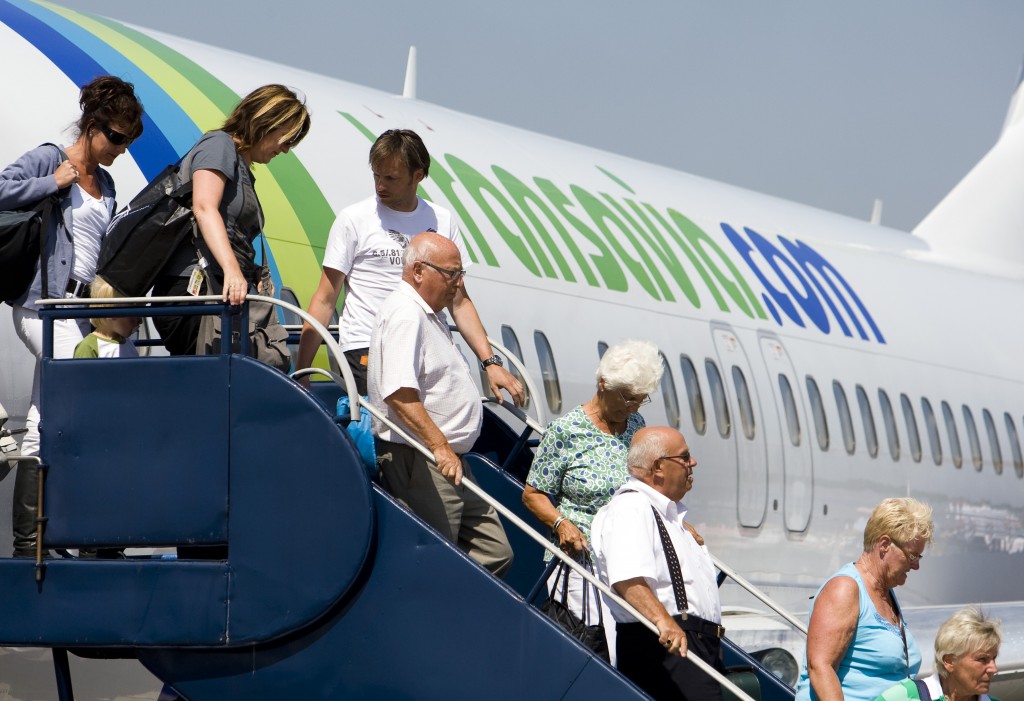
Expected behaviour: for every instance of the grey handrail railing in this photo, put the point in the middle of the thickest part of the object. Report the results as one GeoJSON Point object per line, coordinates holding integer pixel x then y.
{"type": "Point", "coordinates": [332, 346]}
{"type": "Point", "coordinates": [531, 389]}
{"type": "Point", "coordinates": [760, 595]}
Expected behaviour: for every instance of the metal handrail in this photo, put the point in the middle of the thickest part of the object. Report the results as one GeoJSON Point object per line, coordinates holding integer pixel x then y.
{"type": "Point", "coordinates": [760, 595]}
{"type": "Point", "coordinates": [216, 300]}
{"type": "Point", "coordinates": [531, 390]}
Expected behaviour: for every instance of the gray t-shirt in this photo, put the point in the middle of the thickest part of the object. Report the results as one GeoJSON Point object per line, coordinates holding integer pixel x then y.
{"type": "Point", "coordinates": [239, 207]}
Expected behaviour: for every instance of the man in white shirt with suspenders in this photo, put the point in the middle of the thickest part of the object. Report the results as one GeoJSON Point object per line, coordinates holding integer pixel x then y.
{"type": "Point", "coordinates": [657, 562]}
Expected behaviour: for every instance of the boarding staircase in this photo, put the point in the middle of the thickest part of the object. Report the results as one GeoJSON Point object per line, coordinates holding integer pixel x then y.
{"type": "Point", "coordinates": [331, 589]}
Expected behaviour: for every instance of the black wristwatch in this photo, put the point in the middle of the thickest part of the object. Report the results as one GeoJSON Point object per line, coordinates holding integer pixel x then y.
{"type": "Point", "coordinates": [493, 360]}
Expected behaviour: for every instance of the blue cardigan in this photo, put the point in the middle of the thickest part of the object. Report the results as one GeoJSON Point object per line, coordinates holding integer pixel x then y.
{"type": "Point", "coordinates": [24, 183]}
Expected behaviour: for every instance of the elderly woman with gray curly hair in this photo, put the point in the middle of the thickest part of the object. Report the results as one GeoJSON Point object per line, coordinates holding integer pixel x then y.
{"type": "Point", "coordinates": [581, 459]}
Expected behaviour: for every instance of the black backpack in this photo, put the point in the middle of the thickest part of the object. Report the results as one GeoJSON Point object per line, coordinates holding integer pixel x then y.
{"type": "Point", "coordinates": [143, 236]}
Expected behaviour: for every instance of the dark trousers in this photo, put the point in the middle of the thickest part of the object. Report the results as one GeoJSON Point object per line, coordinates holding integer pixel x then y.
{"type": "Point", "coordinates": [179, 333]}
{"type": "Point", "coordinates": [663, 676]}
{"type": "Point", "coordinates": [357, 360]}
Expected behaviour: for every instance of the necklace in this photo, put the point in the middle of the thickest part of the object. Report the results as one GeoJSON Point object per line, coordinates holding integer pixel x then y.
{"type": "Point", "coordinates": [598, 420]}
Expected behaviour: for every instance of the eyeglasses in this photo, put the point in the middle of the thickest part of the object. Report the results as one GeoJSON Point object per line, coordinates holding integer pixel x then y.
{"type": "Point", "coordinates": [911, 557]}
{"type": "Point", "coordinates": [634, 402]}
{"type": "Point", "coordinates": [452, 275]}
{"type": "Point", "coordinates": [684, 458]}
{"type": "Point", "coordinates": [116, 137]}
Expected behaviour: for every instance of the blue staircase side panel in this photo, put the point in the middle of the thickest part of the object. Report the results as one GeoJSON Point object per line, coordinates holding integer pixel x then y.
{"type": "Point", "coordinates": [528, 565]}
{"type": "Point", "coordinates": [301, 519]}
{"type": "Point", "coordinates": [98, 602]}
{"type": "Point", "coordinates": [425, 623]}
{"type": "Point", "coordinates": [136, 451]}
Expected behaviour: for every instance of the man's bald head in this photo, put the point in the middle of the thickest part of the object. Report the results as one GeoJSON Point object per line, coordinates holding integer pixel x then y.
{"type": "Point", "coordinates": [432, 265]}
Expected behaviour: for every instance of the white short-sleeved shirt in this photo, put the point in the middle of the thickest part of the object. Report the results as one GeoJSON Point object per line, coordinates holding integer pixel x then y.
{"type": "Point", "coordinates": [411, 347]}
{"type": "Point", "coordinates": [366, 243]}
{"type": "Point", "coordinates": [626, 544]}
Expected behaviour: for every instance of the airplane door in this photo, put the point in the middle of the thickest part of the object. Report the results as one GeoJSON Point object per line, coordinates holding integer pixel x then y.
{"type": "Point", "coordinates": [798, 472]}
{"type": "Point", "coordinates": [748, 433]}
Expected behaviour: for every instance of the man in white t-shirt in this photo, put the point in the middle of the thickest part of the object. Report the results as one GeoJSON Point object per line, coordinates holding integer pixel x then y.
{"type": "Point", "coordinates": [419, 378]}
{"type": "Point", "coordinates": [363, 257]}
{"type": "Point", "coordinates": [656, 561]}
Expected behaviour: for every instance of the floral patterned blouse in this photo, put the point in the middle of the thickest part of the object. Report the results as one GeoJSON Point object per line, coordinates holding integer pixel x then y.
{"type": "Point", "coordinates": [580, 466]}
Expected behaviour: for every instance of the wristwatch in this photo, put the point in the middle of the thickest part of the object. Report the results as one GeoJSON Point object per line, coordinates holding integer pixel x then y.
{"type": "Point", "coordinates": [493, 360]}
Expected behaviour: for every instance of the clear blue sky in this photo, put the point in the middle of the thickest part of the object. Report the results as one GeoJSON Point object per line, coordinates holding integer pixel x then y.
{"type": "Point", "coordinates": [831, 104]}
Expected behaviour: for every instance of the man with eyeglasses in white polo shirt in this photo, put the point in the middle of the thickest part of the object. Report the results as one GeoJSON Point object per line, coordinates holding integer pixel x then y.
{"type": "Point", "coordinates": [418, 376]}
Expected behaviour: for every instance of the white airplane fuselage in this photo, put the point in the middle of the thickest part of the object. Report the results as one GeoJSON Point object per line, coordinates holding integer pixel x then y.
{"type": "Point", "coordinates": [586, 247]}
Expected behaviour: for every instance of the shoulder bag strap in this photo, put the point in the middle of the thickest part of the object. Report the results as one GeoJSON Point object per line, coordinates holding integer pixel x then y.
{"type": "Point", "coordinates": [903, 630]}
{"type": "Point", "coordinates": [587, 586]}
{"type": "Point", "coordinates": [44, 230]}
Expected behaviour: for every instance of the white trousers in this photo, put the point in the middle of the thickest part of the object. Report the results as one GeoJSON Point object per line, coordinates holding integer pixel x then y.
{"type": "Point", "coordinates": [67, 333]}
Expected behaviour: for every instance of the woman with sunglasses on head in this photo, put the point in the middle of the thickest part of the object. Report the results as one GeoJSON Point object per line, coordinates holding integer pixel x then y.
{"type": "Point", "coordinates": [858, 645]}
{"type": "Point", "coordinates": [111, 119]}
{"type": "Point", "coordinates": [581, 460]}
{"type": "Point", "coordinates": [268, 121]}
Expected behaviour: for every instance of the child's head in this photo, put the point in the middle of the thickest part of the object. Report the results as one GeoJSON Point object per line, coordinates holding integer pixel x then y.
{"type": "Point", "coordinates": [120, 326]}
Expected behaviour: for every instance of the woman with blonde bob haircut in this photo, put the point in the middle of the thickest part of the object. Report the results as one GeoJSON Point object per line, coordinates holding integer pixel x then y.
{"type": "Point", "coordinates": [966, 647]}
{"type": "Point", "coordinates": [581, 460]}
{"type": "Point", "coordinates": [269, 121]}
{"type": "Point", "coordinates": [858, 645]}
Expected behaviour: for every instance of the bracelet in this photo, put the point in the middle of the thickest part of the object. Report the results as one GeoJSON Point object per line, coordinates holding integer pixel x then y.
{"type": "Point", "coordinates": [556, 524]}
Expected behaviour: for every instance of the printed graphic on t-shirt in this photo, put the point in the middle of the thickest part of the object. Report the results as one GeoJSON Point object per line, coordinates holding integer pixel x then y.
{"type": "Point", "coordinates": [394, 253]}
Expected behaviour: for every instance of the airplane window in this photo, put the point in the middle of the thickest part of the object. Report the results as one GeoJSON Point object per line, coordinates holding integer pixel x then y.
{"type": "Point", "coordinates": [744, 403]}
{"type": "Point", "coordinates": [867, 419]}
{"type": "Point", "coordinates": [789, 402]}
{"type": "Point", "coordinates": [549, 372]}
{"type": "Point", "coordinates": [511, 341]}
{"type": "Point", "coordinates": [993, 441]}
{"type": "Point", "coordinates": [933, 430]}
{"type": "Point", "coordinates": [972, 438]}
{"type": "Point", "coordinates": [718, 399]}
{"type": "Point", "coordinates": [1011, 433]}
{"type": "Point", "coordinates": [668, 390]}
{"type": "Point", "coordinates": [889, 419]}
{"type": "Point", "coordinates": [913, 437]}
{"type": "Point", "coordinates": [845, 420]}
{"type": "Point", "coordinates": [870, 433]}
{"type": "Point", "coordinates": [954, 437]}
{"type": "Point", "coordinates": [602, 347]}
{"type": "Point", "coordinates": [818, 410]}
{"type": "Point", "coordinates": [693, 395]}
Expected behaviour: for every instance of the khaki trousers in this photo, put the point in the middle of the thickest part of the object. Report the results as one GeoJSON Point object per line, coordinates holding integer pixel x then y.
{"type": "Point", "coordinates": [455, 512]}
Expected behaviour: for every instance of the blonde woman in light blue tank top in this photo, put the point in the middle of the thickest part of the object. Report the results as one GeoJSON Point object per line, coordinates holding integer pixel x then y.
{"type": "Point", "coordinates": [858, 644]}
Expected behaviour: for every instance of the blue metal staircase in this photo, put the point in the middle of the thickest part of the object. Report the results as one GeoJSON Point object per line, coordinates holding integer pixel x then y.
{"type": "Point", "coordinates": [330, 589]}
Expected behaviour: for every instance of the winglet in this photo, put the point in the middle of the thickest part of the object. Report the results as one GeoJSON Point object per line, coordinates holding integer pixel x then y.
{"type": "Point", "coordinates": [409, 91]}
